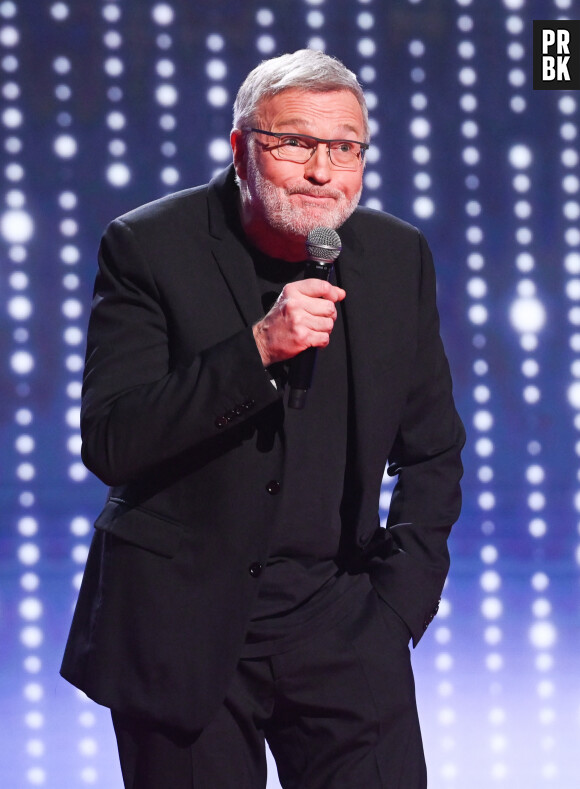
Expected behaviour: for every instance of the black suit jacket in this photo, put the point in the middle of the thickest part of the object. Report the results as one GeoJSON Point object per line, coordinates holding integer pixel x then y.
{"type": "Point", "coordinates": [174, 415]}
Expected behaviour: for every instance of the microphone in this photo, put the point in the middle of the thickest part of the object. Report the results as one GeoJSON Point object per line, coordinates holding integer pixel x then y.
{"type": "Point", "coordinates": [322, 247]}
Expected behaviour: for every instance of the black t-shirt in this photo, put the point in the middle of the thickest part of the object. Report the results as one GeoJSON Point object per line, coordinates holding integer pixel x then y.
{"type": "Point", "coordinates": [301, 584]}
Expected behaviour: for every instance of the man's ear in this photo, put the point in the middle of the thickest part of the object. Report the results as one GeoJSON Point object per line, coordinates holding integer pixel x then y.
{"type": "Point", "coordinates": [240, 150]}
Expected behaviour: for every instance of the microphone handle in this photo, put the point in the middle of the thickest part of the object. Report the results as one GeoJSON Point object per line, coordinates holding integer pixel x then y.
{"type": "Point", "coordinates": [302, 365]}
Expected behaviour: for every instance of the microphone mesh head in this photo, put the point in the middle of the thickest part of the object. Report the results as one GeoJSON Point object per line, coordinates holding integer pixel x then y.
{"type": "Point", "coordinates": [323, 243]}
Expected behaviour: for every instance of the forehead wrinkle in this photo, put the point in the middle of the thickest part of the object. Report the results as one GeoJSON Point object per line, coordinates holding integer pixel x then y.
{"type": "Point", "coordinates": [329, 114]}
{"type": "Point", "coordinates": [297, 124]}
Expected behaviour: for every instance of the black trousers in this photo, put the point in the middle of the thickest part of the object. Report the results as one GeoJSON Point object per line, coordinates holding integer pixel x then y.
{"type": "Point", "coordinates": [338, 712]}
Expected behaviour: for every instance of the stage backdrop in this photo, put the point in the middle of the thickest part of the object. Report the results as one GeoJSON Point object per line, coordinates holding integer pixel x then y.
{"type": "Point", "coordinates": [107, 105]}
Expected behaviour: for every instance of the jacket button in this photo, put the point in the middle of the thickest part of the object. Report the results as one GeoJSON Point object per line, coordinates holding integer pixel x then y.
{"type": "Point", "coordinates": [221, 421]}
{"type": "Point", "coordinates": [273, 487]}
{"type": "Point", "coordinates": [256, 569]}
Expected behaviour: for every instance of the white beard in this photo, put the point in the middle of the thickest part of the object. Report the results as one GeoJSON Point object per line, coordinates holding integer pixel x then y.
{"type": "Point", "coordinates": [289, 217]}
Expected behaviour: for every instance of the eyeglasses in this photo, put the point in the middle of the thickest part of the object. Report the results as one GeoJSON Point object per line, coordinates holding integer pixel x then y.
{"type": "Point", "coordinates": [300, 148]}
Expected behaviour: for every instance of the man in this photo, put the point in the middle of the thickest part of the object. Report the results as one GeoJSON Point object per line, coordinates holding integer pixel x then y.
{"type": "Point", "coordinates": [239, 586]}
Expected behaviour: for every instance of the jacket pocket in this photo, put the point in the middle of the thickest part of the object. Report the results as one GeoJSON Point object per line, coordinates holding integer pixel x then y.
{"type": "Point", "coordinates": [140, 527]}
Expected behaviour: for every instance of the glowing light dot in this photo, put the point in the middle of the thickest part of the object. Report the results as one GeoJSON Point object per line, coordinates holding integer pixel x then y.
{"type": "Point", "coordinates": [494, 662]}
{"type": "Point", "coordinates": [113, 66]}
{"type": "Point", "coordinates": [489, 554]}
{"type": "Point", "coordinates": [541, 608]}
{"type": "Point", "coordinates": [540, 582]}
{"type": "Point", "coordinates": [365, 21]}
{"type": "Point", "coordinates": [22, 362]}
{"type": "Point", "coordinates": [514, 25]}
{"type": "Point", "coordinates": [216, 69]}
{"type": "Point", "coordinates": [9, 36]}
{"type": "Point", "coordinates": [468, 102]}
{"type": "Point", "coordinates": [471, 155]}
{"type": "Point", "coordinates": [116, 121]}
{"type": "Point", "coordinates": [574, 394]}
{"type": "Point", "coordinates": [32, 663]}
{"type": "Point", "coordinates": [16, 226]}
{"type": "Point", "coordinates": [215, 42]}
{"type": "Point", "coordinates": [421, 154]}
{"type": "Point", "coordinates": [77, 472]}
{"type": "Point", "coordinates": [266, 44]}
{"type": "Point", "coordinates": [474, 234]}
{"type": "Point", "coordinates": [72, 308]}
{"type": "Point", "coordinates": [486, 500]}
{"type": "Point", "coordinates": [25, 471]}
{"type": "Point", "coordinates": [170, 176]}
{"type": "Point", "coordinates": [166, 95]}
{"type": "Point", "coordinates": [162, 14]}
{"type": "Point", "coordinates": [80, 526]}
{"type": "Point", "coordinates": [36, 776]}
{"type": "Point", "coordinates": [118, 174]}
{"type": "Point", "coordinates": [536, 501]}
{"type": "Point", "coordinates": [74, 445]}
{"type": "Point", "coordinates": [315, 19]}
{"type": "Point", "coordinates": [527, 315]}
{"type": "Point", "coordinates": [422, 180]}
{"type": "Point", "coordinates": [483, 420]}
{"type": "Point", "coordinates": [219, 150]}
{"type": "Point", "coordinates": [424, 207]}
{"type": "Point", "coordinates": [520, 156]}
{"type": "Point", "coordinates": [30, 609]}
{"type": "Point", "coordinates": [34, 719]}
{"type": "Point", "coordinates": [542, 635]}
{"type": "Point", "coordinates": [20, 308]}
{"type": "Point", "coordinates": [65, 146]}
{"type": "Point", "coordinates": [484, 447]}
{"type": "Point", "coordinates": [73, 336]}
{"type": "Point", "coordinates": [490, 581]}
{"type": "Point", "coordinates": [88, 746]}
{"type": "Point", "coordinates": [367, 47]}
{"type": "Point", "coordinates": [531, 394]}
{"type": "Point", "coordinates": [23, 416]}
{"type": "Point", "coordinates": [264, 17]}
{"type": "Point", "coordinates": [373, 179]}
{"type": "Point", "coordinates": [420, 128]}
{"type": "Point", "coordinates": [477, 288]}
{"type": "Point", "coordinates": [491, 608]}
{"type": "Point", "coordinates": [535, 474]}
{"type": "Point", "coordinates": [12, 118]}
{"type": "Point", "coordinates": [79, 554]}
{"type": "Point", "coordinates": [217, 96]}
{"type": "Point", "coordinates": [31, 637]}
{"type": "Point", "coordinates": [73, 417]}
{"type": "Point", "coordinates": [59, 11]}
{"type": "Point", "coordinates": [537, 528]}
{"type": "Point", "coordinates": [493, 635]}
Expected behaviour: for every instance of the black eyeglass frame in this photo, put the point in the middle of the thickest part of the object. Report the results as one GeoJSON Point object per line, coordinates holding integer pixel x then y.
{"type": "Point", "coordinates": [364, 146]}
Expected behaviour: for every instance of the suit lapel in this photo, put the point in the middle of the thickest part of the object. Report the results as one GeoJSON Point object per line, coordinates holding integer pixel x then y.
{"type": "Point", "coordinates": [230, 254]}
{"type": "Point", "coordinates": [358, 316]}
{"type": "Point", "coordinates": [372, 345]}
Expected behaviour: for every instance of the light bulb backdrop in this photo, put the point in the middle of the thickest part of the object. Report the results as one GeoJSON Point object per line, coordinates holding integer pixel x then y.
{"type": "Point", "coordinates": [107, 105]}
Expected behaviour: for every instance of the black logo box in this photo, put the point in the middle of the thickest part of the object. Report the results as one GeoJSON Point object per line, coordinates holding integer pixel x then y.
{"type": "Point", "coordinates": [570, 68]}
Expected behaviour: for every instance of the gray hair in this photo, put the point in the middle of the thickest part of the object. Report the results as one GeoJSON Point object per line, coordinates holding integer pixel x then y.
{"type": "Point", "coordinates": [306, 70]}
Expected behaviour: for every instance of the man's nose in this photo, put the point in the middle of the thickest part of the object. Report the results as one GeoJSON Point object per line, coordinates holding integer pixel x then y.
{"type": "Point", "coordinates": [318, 167]}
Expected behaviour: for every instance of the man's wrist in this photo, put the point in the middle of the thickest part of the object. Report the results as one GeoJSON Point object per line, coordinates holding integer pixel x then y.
{"type": "Point", "coordinates": [257, 329]}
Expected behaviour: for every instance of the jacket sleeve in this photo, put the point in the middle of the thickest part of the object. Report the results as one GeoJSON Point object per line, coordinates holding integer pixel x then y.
{"type": "Point", "coordinates": [143, 404]}
{"type": "Point", "coordinates": [425, 457]}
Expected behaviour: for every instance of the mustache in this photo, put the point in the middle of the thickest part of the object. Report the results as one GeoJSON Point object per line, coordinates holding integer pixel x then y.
{"type": "Point", "coordinates": [334, 194]}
